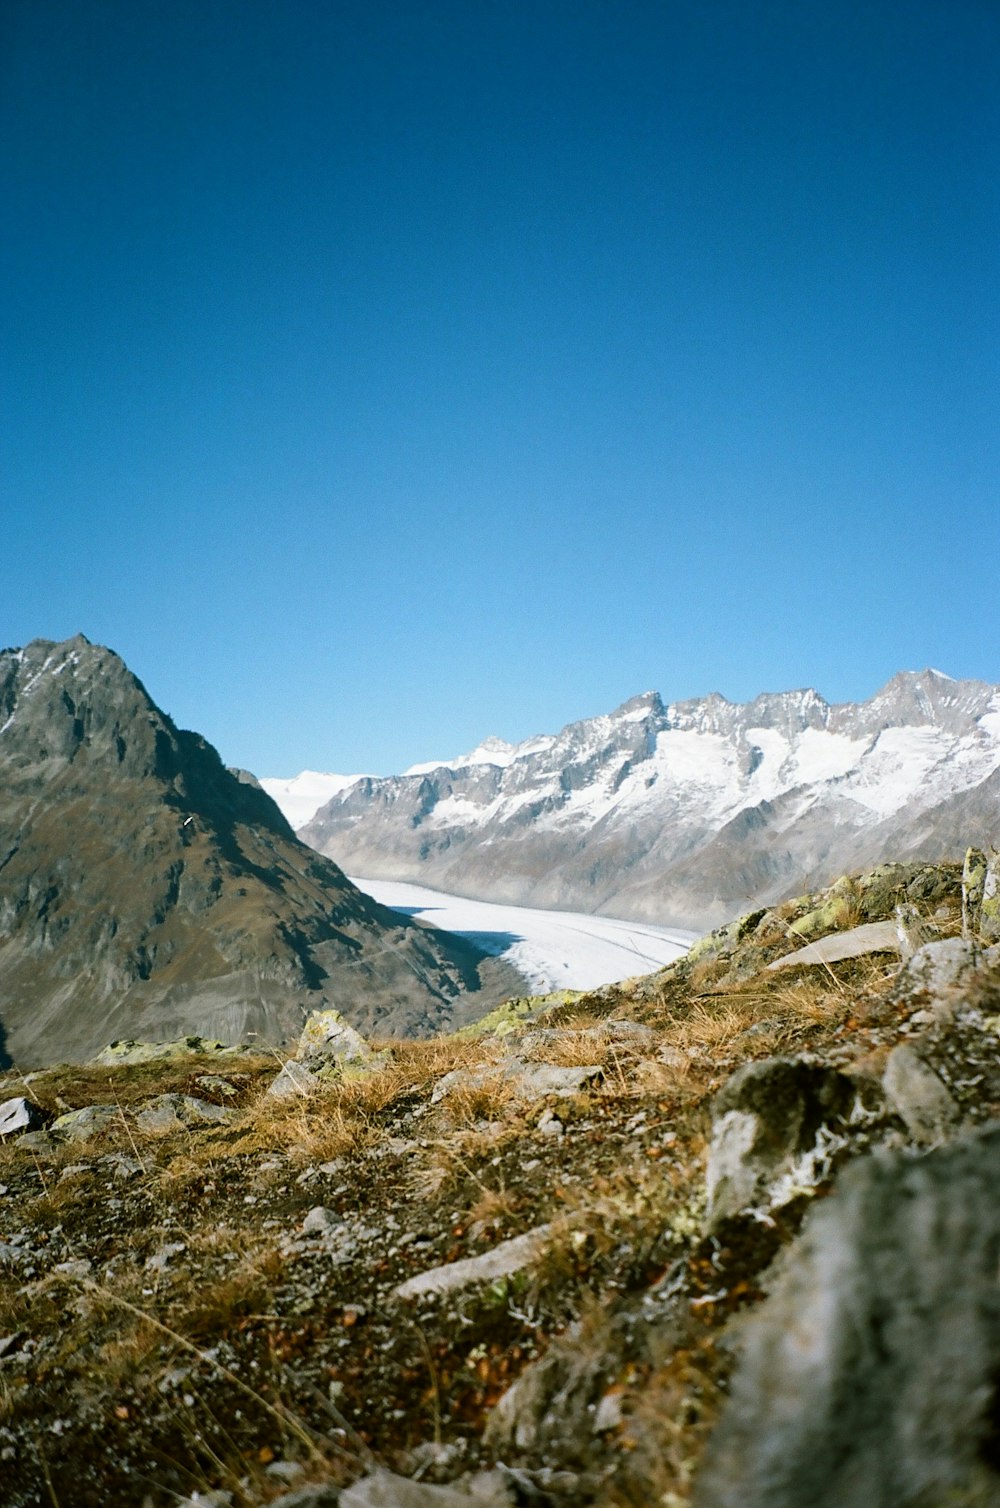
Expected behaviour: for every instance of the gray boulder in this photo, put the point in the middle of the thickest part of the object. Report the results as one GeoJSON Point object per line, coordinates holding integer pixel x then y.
{"type": "Point", "coordinates": [178, 1112]}
{"type": "Point", "coordinates": [328, 1040]}
{"type": "Point", "coordinates": [295, 1081]}
{"type": "Point", "coordinates": [775, 1126]}
{"type": "Point", "coordinates": [868, 1379]}
{"type": "Point", "coordinates": [82, 1125]}
{"type": "Point", "coordinates": [916, 1093]}
{"type": "Point", "coordinates": [19, 1115]}
{"type": "Point", "coordinates": [940, 966]}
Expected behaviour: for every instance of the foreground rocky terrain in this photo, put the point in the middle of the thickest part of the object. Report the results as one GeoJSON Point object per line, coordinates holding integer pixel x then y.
{"type": "Point", "coordinates": [725, 1233]}
{"type": "Point", "coordinates": [682, 814]}
{"type": "Point", "coordinates": [146, 890]}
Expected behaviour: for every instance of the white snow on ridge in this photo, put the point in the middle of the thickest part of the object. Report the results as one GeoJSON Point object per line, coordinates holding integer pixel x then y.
{"type": "Point", "coordinates": [492, 750]}
{"type": "Point", "coordinates": [301, 797]}
{"type": "Point", "coordinates": [552, 949]}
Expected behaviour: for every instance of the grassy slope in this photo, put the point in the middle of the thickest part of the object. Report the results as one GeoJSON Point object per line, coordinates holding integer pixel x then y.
{"type": "Point", "coordinates": [135, 1379]}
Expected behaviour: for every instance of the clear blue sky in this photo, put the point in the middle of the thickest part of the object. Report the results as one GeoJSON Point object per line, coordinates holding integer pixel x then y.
{"type": "Point", "coordinates": [380, 375]}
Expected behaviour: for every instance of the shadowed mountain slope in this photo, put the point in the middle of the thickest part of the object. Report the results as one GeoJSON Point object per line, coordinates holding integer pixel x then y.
{"type": "Point", "coordinates": [146, 890]}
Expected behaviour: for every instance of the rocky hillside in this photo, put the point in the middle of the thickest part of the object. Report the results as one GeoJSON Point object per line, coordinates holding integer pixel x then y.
{"type": "Point", "coordinates": [728, 1234]}
{"type": "Point", "coordinates": [145, 890]}
{"type": "Point", "coordinates": [682, 814]}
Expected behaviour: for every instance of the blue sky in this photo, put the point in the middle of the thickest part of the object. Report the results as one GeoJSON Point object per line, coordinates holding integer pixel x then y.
{"type": "Point", "coordinates": [379, 376]}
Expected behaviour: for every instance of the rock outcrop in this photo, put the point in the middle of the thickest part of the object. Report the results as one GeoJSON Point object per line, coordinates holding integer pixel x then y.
{"type": "Point", "coordinates": [869, 1377]}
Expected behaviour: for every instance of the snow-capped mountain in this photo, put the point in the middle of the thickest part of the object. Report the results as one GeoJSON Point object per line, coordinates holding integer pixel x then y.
{"type": "Point", "coordinates": [682, 814]}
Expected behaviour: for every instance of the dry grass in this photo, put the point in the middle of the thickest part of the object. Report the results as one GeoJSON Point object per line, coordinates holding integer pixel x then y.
{"type": "Point", "coordinates": [487, 1096]}
{"type": "Point", "coordinates": [459, 1161]}
{"type": "Point", "coordinates": [421, 1063]}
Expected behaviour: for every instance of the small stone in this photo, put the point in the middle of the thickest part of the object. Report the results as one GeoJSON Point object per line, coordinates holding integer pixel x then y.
{"type": "Point", "coordinates": [320, 1496]}
{"type": "Point", "coordinates": [501, 1261]}
{"type": "Point", "coordinates": [531, 1081]}
{"type": "Point", "coordinates": [551, 1125]}
{"type": "Point", "coordinates": [159, 1261]}
{"type": "Point", "coordinates": [212, 1084]}
{"type": "Point", "coordinates": [20, 1114]}
{"type": "Point", "coordinates": [320, 1222]}
{"type": "Point", "coordinates": [384, 1489]}
{"type": "Point", "coordinates": [609, 1412]}
{"type": "Point", "coordinates": [285, 1471]}
{"type": "Point", "coordinates": [76, 1267]}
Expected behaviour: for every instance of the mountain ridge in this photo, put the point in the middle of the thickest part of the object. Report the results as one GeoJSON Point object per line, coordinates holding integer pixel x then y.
{"type": "Point", "coordinates": [625, 813]}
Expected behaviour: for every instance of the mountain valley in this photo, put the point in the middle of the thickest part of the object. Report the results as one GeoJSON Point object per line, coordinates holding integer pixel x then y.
{"type": "Point", "coordinates": [680, 814]}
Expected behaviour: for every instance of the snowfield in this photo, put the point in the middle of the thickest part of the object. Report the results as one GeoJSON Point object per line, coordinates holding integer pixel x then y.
{"type": "Point", "coordinates": [552, 949]}
{"type": "Point", "coordinates": [303, 795]}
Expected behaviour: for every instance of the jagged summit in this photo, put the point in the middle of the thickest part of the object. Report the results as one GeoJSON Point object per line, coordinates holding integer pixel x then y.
{"type": "Point", "coordinates": [680, 813]}
{"type": "Point", "coordinates": [146, 890]}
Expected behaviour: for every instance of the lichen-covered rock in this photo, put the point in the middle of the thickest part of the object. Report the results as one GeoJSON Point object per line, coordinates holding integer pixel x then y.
{"type": "Point", "coordinates": [517, 1013]}
{"type": "Point", "coordinates": [776, 1124]}
{"type": "Point", "coordinates": [989, 919]}
{"type": "Point", "coordinates": [918, 1096]}
{"type": "Point", "coordinates": [973, 883]}
{"type": "Point", "coordinates": [831, 916]}
{"type": "Point", "coordinates": [81, 1125]}
{"type": "Point", "coordinates": [19, 1115]}
{"type": "Point", "coordinates": [939, 966]}
{"type": "Point", "coordinates": [129, 1050]}
{"type": "Point", "coordinates": [178, 1112]}
{"type": "Point", "coordinates": [328, 1041]}
{"type": "Point", "coordinates": [868, 1379]}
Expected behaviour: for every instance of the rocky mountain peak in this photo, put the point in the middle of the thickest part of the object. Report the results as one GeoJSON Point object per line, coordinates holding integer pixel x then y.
{"type": "Point", "coordinates": [647, 703]}
{"type": "Point", "coordinates": [145, 887]}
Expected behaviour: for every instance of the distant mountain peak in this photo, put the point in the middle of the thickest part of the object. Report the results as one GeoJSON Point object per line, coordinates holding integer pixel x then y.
{"type": "Point", "coordinates": [681, 814]}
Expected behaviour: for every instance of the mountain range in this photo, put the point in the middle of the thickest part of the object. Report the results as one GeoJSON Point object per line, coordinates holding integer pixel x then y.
{"type": "Point", "coordinates": [148, 891]}
{"type": "Point", "coordinates": [683, 813]}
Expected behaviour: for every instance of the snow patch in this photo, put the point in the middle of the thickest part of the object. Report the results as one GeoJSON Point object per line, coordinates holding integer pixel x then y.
{"type": "Point", "coordinates": [301, 797]}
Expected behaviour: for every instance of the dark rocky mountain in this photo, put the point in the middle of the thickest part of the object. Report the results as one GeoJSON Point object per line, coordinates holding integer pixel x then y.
{"type": "Point", "coordinates": [147, 891]}
{"type": "Point", "coordinates": [682, 814]}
